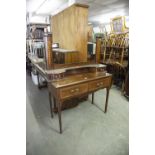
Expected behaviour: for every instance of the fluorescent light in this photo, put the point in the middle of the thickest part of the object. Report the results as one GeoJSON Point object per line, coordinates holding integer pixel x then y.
{"type": "Point", "coordinates": [49, 6]}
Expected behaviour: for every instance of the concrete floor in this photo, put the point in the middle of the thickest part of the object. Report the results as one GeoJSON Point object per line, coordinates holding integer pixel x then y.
{"type": "Point", "coordinates": [87, 130]}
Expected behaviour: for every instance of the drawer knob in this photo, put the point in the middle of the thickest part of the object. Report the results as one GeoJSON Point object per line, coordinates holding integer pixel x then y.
{"type": "Point", "coordinates": [98, 84]}
{"type": "Point", "coordinates": [101, 83]}
{"type": "Point", "coordinates": [77, 89]}
{"type": "Point", "coordinates": [72, 91]}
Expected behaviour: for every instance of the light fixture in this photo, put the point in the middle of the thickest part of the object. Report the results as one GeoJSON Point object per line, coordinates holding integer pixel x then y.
{"type": "Point", "coordinates": [48, 6]}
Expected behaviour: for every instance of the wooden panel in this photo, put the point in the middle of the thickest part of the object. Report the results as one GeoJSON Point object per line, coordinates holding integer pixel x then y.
{"type": "Point", "coordinates": [72, 57]}
{"type": "Point", "coordinates": [69, 29]}
{"type": "Point", "coordinates": [72, 91]}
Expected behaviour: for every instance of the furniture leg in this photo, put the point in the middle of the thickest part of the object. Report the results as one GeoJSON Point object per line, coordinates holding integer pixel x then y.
{"type": "Point", "coordinates": [107, 97]}
{"type": "Point", "coordinates": [51, 107]}
{"type": "Point", "coordinates": [59, 115]}
{"type": "Point", "coordinates": [93, 98]}
{"type": "Point", "coordinates": [54, 103]}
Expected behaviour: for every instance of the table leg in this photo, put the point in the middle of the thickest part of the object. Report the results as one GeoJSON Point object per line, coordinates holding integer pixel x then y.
{"type": "Point", "coordinates": [107, 97]}
{"type": "Point", "coordinates": [59, 115]}
{"type": "Point", "coordinates": [51, 107]}
{"type": "Point", "coordinates": [55, 107]}
{"type": "Point", "coordinates": [93, 98]}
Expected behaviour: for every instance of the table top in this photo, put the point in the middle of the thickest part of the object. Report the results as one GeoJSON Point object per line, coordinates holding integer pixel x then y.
{"type": "Point", "coordinates": [41, 66]}
{"type": "Point", "coordinates": [79, 78]}
{"type": "Point", "coordinates": [61, 70]}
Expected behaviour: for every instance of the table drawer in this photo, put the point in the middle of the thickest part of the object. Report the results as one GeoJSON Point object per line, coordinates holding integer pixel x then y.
{"type": "Point", "coordinates": [102, 83]}
{"type": "Point", "coordinates": [72, 91]}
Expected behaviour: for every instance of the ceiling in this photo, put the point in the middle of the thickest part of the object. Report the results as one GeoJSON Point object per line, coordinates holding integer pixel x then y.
{"type": "Point", "coordinates": [100, 11]}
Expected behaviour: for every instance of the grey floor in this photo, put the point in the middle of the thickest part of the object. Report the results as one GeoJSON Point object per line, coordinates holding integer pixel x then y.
{"type": "Point", "coordinates": [87, 130]}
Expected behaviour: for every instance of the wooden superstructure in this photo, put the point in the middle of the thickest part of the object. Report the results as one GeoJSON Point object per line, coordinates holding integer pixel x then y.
{"type": "Point", "coordinates": [69, 29]}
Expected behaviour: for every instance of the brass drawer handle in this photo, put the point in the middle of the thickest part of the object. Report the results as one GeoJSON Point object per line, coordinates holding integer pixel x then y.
{"type": "Point", "coordinates": [77, 89]}
{"type": "Point", "coordinates": [98, 84]}
{"type": "Point", "coordinates": [72, 91]}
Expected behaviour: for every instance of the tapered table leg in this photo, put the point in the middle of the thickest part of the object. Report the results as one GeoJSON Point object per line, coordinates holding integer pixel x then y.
{"type": "Point", "coordinates": [107, 97]}
{"type": "Point", "coordinates": [51, 107]}
{"type": "Point", "coordinates": [55, 106]}
{"type": "Point", "coordinates": [92, 98]}
{"type": "Point", "coordinates": [59, 115]}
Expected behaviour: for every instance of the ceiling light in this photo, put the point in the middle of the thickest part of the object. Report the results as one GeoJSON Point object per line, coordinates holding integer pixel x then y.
{"type": "Point", "coordinates": [49, 6]}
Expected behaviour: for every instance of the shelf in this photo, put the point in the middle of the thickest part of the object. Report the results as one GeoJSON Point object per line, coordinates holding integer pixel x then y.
{"type": "Point", "coordinates": [38, 24]}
